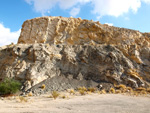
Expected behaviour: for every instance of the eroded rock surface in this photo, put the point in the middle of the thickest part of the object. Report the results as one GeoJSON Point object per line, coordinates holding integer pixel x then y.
{"type": "Point", "coordinates": [77, 49]}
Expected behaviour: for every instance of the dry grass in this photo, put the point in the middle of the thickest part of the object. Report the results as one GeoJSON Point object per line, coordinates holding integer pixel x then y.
{"type": "Point", "coordinates": [102, 91]}
{"type": "Point", "coordinates": [22, 99]}
{"type": "Point", "coordinates": [63, 96]}
{"type": "Point", "coordinates": [135, 93]}
{"type": "Point", "coordinates": [144, 93]}
{"type": "Point", "coordinates": [140, 89]}
{"type": "Point", "coordinates": [129, 90]}
{"type": "Point", "coordinates": [120, 86]}
{"type": "Point", "coordinates": [30, 94]}
{"type": "Point", "coordinates": [55, 94]}
{"type": "Point", "coordinates": [88, 92]}
{"type": "Point", "coordinates": [43, 86]}
{"type": "Point", "coordinates": [79, 88]}
{"type": "Point", "coordinates": [91, 89]}
{"type": "Point", "coordinates": [82, 88]}
{"type": "Point", "coordinates": [118, 91]}
{"type": "Point", "coordinates": [112, 90]}
{"type": "Point", "coordinates": [71, 91]}
{"type": "Point", "coordinates": [139, 92]}
{"type": "Point", "coordinates": [148, 90]}
{"type": "Point", "coordinates": [82, 92]}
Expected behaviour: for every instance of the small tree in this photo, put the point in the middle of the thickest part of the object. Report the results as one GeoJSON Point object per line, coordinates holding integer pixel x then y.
{"type": "Point", "coordinates": [9, 86]}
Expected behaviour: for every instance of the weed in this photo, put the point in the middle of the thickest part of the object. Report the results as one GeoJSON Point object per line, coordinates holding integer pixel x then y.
{"type": "Point", "coordinates": [72, 91]}
{"type": "Point", "coordinates": [88, 92]}
{"type": "Point", "coordinates": [63, 96]}
{"type": "Point", "coordinates": [143, 92]}
{"type": "Point", "coordinates": [30, 94]}
{"type": "Point", "coordinates": [112, 90]}
{"type": "Point", "coordinates": [140, 89]}
{"type": "Point", "coordinates": [91, 89]}
{"type": "Point", "coordinates": [136, 93]}
{"type": "Point", "coordinates": [82, 92]}
{"type": "Point", "coordinates": [148, 90]}
{"type": "Point", "coordinates": [80, 88]}
{"type": "Point", "coordinates": [103, 91]}
{"type": "Point", "coordinates": [22, 99]}
{"type": "Point", "coordinates": [129, 89]}
{"type": "Point", "coordinates": [55, 94]}
{"type": "Point", "coordinates": [43, 86]}
{"type": "Point", "coordinates": [120, 86]}
{"type": "Point", "coordinates": [84, 88]}
{"type": "Point", "coordinates": [118, 91]}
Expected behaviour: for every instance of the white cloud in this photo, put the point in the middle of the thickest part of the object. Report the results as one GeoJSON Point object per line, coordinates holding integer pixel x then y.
{"type": "Point", "coordinates": [100, 7]}
{"type": "Point", "coordinates": [66, 4]}
{"type": "Point", "coordinates": [74, 12]}
{"type": "Point", "coordinates": [7, 37]}
{"type": "Point", "coordinates": [114, 7]}
{"type": "Point", "coordinates": [44, 6]}
{"type": "Point", "coordinates": [110, 24]}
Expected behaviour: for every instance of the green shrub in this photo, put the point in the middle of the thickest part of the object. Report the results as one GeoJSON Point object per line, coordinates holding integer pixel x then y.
{"type": "Point", "coordinates": [9, 86]}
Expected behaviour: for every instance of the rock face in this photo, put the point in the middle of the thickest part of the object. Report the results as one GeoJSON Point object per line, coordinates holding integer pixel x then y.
{"type": "Point", "coordinates": [77, 49]}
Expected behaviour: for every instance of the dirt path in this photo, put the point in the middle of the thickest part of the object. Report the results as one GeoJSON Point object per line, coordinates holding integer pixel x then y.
{"type": "Point", "coordinates": [95, 103]}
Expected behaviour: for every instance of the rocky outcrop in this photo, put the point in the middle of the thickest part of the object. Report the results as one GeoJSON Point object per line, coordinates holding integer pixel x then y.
{"type": "Point", "coordinates": [77, 49]}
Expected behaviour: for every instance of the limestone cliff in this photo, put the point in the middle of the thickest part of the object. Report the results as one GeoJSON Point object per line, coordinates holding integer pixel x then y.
{"type": "Point", "coordinates": [77, 49]}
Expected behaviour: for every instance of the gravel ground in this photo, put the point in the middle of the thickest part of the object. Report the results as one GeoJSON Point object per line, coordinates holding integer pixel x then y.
{"type": "Point", "coordinates": [61, 83]}
{"type": "Point", "coordinates": [92, 103]}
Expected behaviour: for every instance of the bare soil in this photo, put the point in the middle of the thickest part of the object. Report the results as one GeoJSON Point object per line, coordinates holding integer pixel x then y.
{"type": "Point", "coordinates": [91, 103]}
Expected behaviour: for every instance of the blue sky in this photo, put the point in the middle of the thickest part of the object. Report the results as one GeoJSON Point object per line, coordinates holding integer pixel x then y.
{"type": "Point", "coordinates": [132, 14]}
